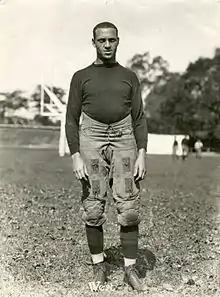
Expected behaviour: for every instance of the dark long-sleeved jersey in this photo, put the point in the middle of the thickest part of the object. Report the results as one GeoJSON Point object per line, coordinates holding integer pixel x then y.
{"type": "Point", "coordinates": [106, 93]}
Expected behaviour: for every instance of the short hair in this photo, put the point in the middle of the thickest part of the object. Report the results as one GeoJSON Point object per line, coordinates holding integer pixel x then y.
{"type": "Point", "coordinates": [104, 25]}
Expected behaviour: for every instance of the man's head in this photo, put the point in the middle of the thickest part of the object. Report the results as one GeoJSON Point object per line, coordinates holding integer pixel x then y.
{"type": "Point", "coordinates": [105, 40]}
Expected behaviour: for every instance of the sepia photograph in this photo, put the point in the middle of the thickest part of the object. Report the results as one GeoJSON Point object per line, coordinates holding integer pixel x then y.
{"type": "Point", "coordinates": [110, 148]}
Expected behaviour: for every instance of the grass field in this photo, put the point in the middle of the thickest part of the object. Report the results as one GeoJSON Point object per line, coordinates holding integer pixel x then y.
{"type": "Point", "coordinates": [43, 245]}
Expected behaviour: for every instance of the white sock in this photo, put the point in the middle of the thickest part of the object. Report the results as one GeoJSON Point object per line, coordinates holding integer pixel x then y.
{"type": "Point", "coordinates": [129, 262]}
{"type": "Point", "coordinates": [97, 258]}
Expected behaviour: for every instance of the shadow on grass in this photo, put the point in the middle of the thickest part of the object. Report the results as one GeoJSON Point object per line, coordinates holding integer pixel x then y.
{"type": "Point", "coordinates": [146, 260]}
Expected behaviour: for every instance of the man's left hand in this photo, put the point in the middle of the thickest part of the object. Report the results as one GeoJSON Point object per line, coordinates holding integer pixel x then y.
{"type": "Point", "coordinates": [140, 169]}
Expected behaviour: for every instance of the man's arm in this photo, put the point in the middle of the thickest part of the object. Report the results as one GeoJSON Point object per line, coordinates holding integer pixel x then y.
{"type": "Point", "coordinates": [140, 130]}
{"type": "Point", "coordinates": [138, 116]}
{"type": "Point", "coordinates": [73, 113]}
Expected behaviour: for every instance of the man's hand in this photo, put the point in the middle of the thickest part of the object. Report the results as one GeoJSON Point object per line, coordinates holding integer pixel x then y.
{"type": "Point", "coordinates": [140, 165]}
{"type": "Point", "coordinates": [79, 167]}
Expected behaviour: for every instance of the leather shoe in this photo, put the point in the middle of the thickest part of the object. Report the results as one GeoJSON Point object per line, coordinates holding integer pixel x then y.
{"type": "Point", "coordinates": [99, 271]}
{"type": "Point", "coordinates": [131, 278]}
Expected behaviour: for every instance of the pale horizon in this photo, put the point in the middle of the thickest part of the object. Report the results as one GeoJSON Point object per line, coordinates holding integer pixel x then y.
{"type": "Point", "coordinates": [47, 41]}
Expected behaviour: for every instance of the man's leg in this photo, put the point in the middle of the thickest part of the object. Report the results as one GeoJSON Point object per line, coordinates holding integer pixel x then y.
{"type": "Point", "coordinates": [94, 200]}
{"type": "Point", "coordinates": [126, 194]}
{"type": "Point", "coordinates": [95, 241]}
{"type": "Point", "coordinates": [129, 243]}
{"type": "Point", "coordinates": [184, 153]}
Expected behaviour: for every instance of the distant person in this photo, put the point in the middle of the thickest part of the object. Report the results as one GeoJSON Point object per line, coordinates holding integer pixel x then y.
{"type": "Point", "coordinates": [108, 148]}
{"type": "Point", "coordinates": [185, 147]}
{"type": "Point", "coordinates": [198, 148]}
{"type": "Point", "coordinates": [175, 149]}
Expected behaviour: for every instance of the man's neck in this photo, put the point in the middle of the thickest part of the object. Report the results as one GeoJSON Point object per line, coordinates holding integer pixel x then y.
{"type": "Point", "coordinates": [98, 61]}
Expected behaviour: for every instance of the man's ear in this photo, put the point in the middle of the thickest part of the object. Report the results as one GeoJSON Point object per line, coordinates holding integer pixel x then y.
{"type": "Point", "coordinates": [93, 42]}
{"type": "Point", "coordinates": [118, 39]}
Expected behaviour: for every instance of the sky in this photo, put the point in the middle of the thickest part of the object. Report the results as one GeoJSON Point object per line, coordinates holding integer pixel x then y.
{"type": "Point", "coordinates": [46, 41]}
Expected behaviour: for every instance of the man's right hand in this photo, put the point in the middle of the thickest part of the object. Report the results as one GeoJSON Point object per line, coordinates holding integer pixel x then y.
{"type": "Point", "coordinates": [79, 167]}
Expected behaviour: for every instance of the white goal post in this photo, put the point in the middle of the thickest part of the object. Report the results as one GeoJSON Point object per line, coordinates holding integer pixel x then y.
{"type": "Point", "coordinates": [57, 109]}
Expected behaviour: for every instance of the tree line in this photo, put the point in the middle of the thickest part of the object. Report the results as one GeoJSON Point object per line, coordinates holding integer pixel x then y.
{"type": "Point", "coordinates": [174, 103]}
{"type": "Point", "coordinates": [16, 101]}
{"type": "Point", "coordinates": [181, 103]}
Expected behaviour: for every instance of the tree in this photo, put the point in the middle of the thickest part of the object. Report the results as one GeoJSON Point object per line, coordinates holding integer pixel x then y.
{"type": "Point", "coordinates": [157, 122]}
{"type": "Point", "coordinates": [151, 71]}
{"type": "Point", "coordinates": [59, 92]}
{"type": "Point", "coordinates": [13, 101]}
{"type": "Point", "coordinates": [36, 95]}
{"type": "Point", "coordinates": [194, 105]}
{"type": "Point", "coordinates": [36, 100]}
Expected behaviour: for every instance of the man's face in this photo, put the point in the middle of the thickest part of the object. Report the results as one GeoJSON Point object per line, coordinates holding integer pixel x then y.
{"type": "Point", "coordinates": [106, 43]}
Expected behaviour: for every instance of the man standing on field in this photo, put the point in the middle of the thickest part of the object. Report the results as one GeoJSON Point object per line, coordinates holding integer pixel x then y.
{"type": "Point", "coordinates": [108, 148]}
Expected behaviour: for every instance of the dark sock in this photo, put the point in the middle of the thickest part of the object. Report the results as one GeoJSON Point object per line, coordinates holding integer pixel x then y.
{"type": "Point", "coordinates": [129, 241]}
{"type": "Point", "coordinates": [95, 239]}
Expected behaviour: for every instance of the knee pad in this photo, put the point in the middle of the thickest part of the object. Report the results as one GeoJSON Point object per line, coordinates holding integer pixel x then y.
{"type": "Point", "coordinates": [129, 218]}
{"type": "Point", "coordinates": [94, 213]}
